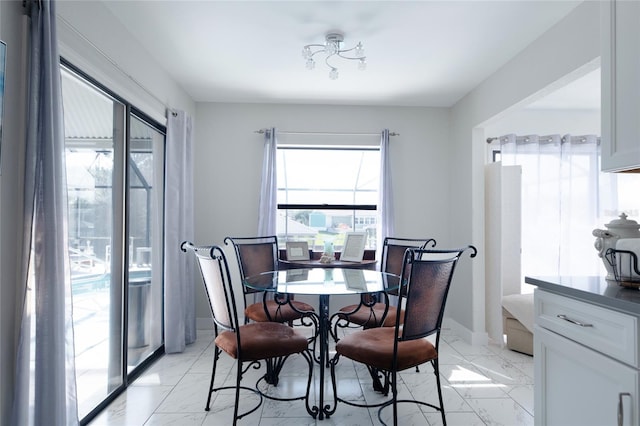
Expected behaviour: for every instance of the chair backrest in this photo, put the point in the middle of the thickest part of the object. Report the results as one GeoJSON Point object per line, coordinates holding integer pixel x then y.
{"type": "Point", "coordinates": [393, 252]}
{"type": "Point", "coordinates": [255, 255]}
{"type": "Point", "coordinates": [427, 285]}
{"type": "Point", "coordinates": [217, 284]}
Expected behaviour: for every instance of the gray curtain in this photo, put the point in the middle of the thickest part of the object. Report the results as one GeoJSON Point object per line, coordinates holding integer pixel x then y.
{"type": "Point", "coordinates": [45, 388]}
{"type": "Point", "coordinates": [385, 194]}
{"type": "Point", "coordinates": [179, 281]}
{"type": "Point", "coordinates": [268, 190]}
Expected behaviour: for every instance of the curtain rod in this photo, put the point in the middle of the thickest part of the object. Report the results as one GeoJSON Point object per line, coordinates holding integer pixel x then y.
{"type": "Point", "coordinates": [547, 138]}
{"type": "Point", "coordinates": [261, 131]}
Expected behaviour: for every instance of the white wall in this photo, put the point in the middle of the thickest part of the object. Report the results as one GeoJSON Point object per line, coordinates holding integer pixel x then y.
{"type": "Point", "coordinates": [228, 163]}
{"type": "Point", "coordinates": [546, 122]}
{"type": "Point", "coordinates": [567, 48]}
{"type": "Point", "coordinates": [93, 40]}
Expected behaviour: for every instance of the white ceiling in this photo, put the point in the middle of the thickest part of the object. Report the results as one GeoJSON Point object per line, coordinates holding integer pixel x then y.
{"type": "Point", "coordinates": [419, 53]}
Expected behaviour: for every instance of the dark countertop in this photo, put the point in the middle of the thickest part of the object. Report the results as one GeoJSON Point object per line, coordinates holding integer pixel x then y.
{"type": "Point", "coordinates": [592, 289]}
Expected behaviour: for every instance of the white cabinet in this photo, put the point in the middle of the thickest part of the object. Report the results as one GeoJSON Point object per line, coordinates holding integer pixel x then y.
{"type": "Point", "coordinates": [579, 386]}
{"type": "Point", "coordinates": [576, 383]}
{"type": "Point", "coordinates": [620, 85]}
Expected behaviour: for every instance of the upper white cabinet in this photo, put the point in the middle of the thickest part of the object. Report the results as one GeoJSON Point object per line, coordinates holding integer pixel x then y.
{"type": "Point", "coordinates": [620, 54]}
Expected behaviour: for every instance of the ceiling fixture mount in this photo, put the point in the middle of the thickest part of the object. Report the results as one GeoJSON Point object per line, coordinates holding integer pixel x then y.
{"type": "Point", "coordinates": [332, 48]}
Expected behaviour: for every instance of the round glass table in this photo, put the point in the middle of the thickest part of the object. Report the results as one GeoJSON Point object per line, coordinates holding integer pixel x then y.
{"type": "Point", "coordinates": [323, 282]}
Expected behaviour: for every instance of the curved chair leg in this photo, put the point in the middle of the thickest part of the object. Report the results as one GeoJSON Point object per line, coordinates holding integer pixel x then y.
{"type": "Point", "coordinates": [313, 411]}
{"type": "Point", "coordinates": [310, 360]}
{"type": "Point", "coordinates": [237, 401]}
{"type": "Point", "coordinates": [334, 330]}
{"type": "Point", "coordinates": [394, 386]}
{"type": "Point", "coordinates": [216, 355]}
{"type": "Point", "coordinates": [274, 366]}
{"type": "Point", "coordinates": [436, 371]}
{"type": "Point", "coordinates": [378, 385]}
{"type": "Point", "coordinates": [333, 362]}
{"type": "Point", "coordinates": [313, 340]}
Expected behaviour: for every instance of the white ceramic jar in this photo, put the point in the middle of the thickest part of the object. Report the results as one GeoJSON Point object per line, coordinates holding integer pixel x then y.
{"type": "Point", "coordinates": [606, 239]}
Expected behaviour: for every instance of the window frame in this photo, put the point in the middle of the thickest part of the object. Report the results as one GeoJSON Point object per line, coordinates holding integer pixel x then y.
{"type": "Point", "coordinates": [284, 207]}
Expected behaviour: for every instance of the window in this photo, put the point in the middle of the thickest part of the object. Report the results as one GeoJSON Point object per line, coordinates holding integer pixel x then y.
{"type": "Point", "coordinates": [324, 192]}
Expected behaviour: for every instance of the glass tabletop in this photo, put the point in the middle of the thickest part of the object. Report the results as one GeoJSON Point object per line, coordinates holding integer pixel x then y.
{"type": "Point", "coordinates": [324, 281]}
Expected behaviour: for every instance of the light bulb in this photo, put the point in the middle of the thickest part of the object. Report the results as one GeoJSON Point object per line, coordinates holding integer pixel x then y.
{"type": "Point", "coordinates": [311, 64]}
{"type": "Point", "coordinates": [333, 74]}
{"type": "Point", "coordinates": [306, 52]}
{"type": "Point", "coordinates": [359, 50]}
{"type": "Point", "coordinates": [331, 48]}
{"type": "Point", "coordinates": [362, 64]}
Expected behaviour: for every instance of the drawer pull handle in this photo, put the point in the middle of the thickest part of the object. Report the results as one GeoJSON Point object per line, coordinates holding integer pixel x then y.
{"type": "Point", "coordinates": [572, 321]}
{"type": "Point", "coordinates": [621, 407]}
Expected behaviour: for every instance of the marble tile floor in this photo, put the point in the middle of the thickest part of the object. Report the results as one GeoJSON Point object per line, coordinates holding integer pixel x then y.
{"type": "Point", "coordinates": [482, 385]}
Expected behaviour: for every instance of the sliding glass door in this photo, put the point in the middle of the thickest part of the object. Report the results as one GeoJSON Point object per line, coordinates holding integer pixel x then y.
{"type": "Point", "coordinates": [115, 175]}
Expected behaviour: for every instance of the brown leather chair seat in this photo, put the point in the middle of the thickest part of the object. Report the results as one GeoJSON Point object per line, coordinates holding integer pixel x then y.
{"type": "Point", "coordinates": [260, 340]}
{"type": "Point", "coordinates": [369, 317]}
{"type": "Point", "coordinates": [277, 312]}
{"type": "Point", "coordinates": [374, 347]}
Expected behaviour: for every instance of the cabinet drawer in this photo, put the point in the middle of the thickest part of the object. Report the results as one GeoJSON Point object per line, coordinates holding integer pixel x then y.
{"type": "Point", "coordinates": [607, 331]}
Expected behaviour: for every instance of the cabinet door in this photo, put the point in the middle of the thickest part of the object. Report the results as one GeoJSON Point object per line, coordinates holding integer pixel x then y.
{"type": "Point", "coordinates": [575, 385]}
{"type": "Point", "coordinates": [620, 85]}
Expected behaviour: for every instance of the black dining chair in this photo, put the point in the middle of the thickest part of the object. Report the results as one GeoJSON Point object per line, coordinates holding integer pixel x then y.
{"type": "Point", "coordinates": [371, 311]}
{"type": "Point", "coordinates": [256, 255]}
{"type": "Point", "coordinates": [247, 343]}
{"type": "Point", "coordinates": [427, 276]}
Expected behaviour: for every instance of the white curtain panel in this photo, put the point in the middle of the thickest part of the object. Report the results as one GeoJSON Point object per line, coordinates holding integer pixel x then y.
{"type": "Point", "coordinates": [562, 201]}
{"type": "Point", "coordinates": [385, 194]}
{"type": "Point", "coordinates": [156, 217]}
{"type": "Point", "coordinates": [179, 278]}
{"type": "Point", "coordinates": [45, 387]}
{"type": "Point", "coordinates": [268, 189]}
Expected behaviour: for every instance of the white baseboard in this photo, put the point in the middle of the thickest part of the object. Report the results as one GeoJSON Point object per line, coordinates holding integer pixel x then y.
{"type": "Point", "coordinates": [470, 337]}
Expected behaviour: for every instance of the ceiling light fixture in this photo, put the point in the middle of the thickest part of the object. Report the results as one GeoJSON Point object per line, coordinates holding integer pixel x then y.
{"type": "Point", "coordinates": [331, 48]}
